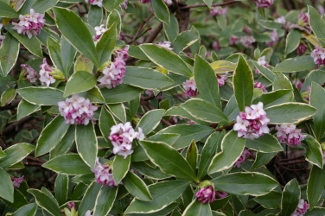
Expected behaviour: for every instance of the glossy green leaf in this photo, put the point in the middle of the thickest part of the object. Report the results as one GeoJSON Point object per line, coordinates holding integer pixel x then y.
{"type": "Point", "coordinates": [46, 96]}
{"type": "Point", "coordinates": [137, 187]}
{"type": "Point", "coordinates": [271, 200]}
{"type": "Point", "coordinates": [206, 82]}
{"type": "Point", "coordinates": [223, 66]}
{"type": "Point", "coordinates": [76, 32]}
{"type": "Point", "coordinates": [267, 73]}
{"type": "Point", "coordinates": [94, 95]}
{"type": "Point", "coordinates": [208, 2]}
{"type": "Point", "coordinates": [313, 151]}
{"type": "Point", "coordinates": [27, 210]}
{"type": "Point", "coordinates": [32, 44]}
{"type": "Point", "coordinates": [185, 39]}
{"type": "Point", "coordinates": [15, 154]}
{"type": "Point", "coordinates": [274, 98]}
{"type": "Point", "coordinates": [197, 208]}
{"type": "Point", "coordinates": [82, 63]}
{"type": "Point", "coordinates": [232, 147]}
{"type": "Point", "coordinates": [45, 202]}
{"type": "Point", "coordinates": [290, 197]}
{"type": "Point", "coordinates": [316, 181]}
{"type": "Point", "coordinates": [51, 136]}
{"type": "Point", "coordinates": [61, 188]}
{"type": "Point", "coordinates": [114, 17]}
{"type": "Point", "coordinates": [54, 51]}
{"type": "Point", "coordinates": [188, 133]}
{"type": "Point", "coordinates": [89, 200]}
{"type": "Point", "coordinates": [64, 145]}
{"type": "Point", "coordinates": [105, 200]}
{"type": "Point", "coordinates": [6, 186]}
{"type": "Point", "coordinates": [209, 150]}
{"type": "Point", "coordinates": [160, 10]}
{"type": "Point", "coordinates": [118, 110]}
{"type": "Point", "coordinates": [95, 15]}
{"type": "Point", "coordinates": [289, 113]}
{"type": "Point", "coordinates": [316, 93]}
{"type": "Point", "coordinates": [150, 120]}
{"type": "Point", "coordinates": [168, 138]}
{"type": "Point", "coordinates": [8, 52]}
{"type": "Point", "coordinates": [171, 29]}
{"type": "Point", "coordinates": [169, 160]}
{"type": "Point", "coordinates": [7, 11]}
{"type": "Point", "coordinates": [281, 82]}
{"type": "Point", "coordinates": [111, 5]}
{"type": "Point", "coordinates": [41, 6]}
{"type": "Point", "coordinates": [192, 155]}
{"type": "Point", "coordinates": [248, 183]}
{"type": "Point", "coordinates": [296, 64]}
{"type": "Point", "coordinates": [7, 96]}
{"type": "Point", "coordinates": [179, 111]}
{"type": "Point", "coordinates": [317, 76]}
{"type": "Point", "coordinates": [146, 78]}
{"type": "Point", "coordinates": [67, 54]}
{"type": "Point", "coordinates": [106, 121]}
{"type": "Point", "coordinates": [106, 44]}
{"type": "Point", "coordinates": [204, 111]}
{"type": "Point", "coordinates": [120, 94]}
{"type": "Point", "coordinates": [166, 59]}
{"type": "Point", "coordinates": [243, 84]}
{"type": "Point", "coordinates": [150, 170]}
{"type": "Point", "coordinates": [292, 41]}
{"type": "Point", "coordinates": [163, 194]}
{"type": "Point", "coordinates": [86, 143]}
{"type": "Point", "coordinates": [316, 211]}
{"type": "Point", "coordinates": [69, 164]}
{"type": "Point", "coordinates": [120, 167]}
{"type": "Point", "coordinates": [266, 143]}
{"type": "Point", "coordinates": [262, 159]}
{"type": "Point", "coordinates": [316, 23]}
{"type": "Point", "coordinates": [80, 81]}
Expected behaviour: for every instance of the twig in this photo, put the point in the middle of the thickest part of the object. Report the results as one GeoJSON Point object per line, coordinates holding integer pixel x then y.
{"type": "Point", "coordinates": [154, 34]}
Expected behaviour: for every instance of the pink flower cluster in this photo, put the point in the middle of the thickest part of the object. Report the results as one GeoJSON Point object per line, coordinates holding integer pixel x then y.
{"type": "Point", "coordinates": [77, 110]}
{"type": "Point", "coordinates": [45, 74]}
{"type": "Point", "coordinates": [303, 20]}
{"type": "Point", "coordinates": [274, 38]}
{"type": "Point", "coordinates": [243, 157]}
{"type": "Point", "coordinates": [301, 209]}
{"type": "Point", "coordinates": [288, 133]}
{"type": "Point", "coordinates": [206, 194]}
{"type": "Point", "coordinates": [99, 3]}
{"type": "Point", "coordinates": [247, 40]}
{"type": "Point", "coordinates": [30, 24]}
{"type": "Point", "coordinates": [100, 30]}
{"type": "Point", "coordinates": [122, 136]}
{"type": "Point", "coordinates": [113, 74]}
{"type": "Point", "coordinates": [165, 44]}
{"type": "Point", "coordinates": [260, 86]}
{"type": "Point", "coordinates": [264, 3]}
{"type": "Point", "coordinates": [2, 37]}
{"type": "Point", "coordinates": [30, 74]}
{"type": "Point", "coordinates": [190, 88]}
{"type": "Point", "coordinates": [318, 54]}
{"type": "Point", "coordinates": [302, 48]}
{"type": "Point", "coordinates": [252, 123]}
{"type": "Point", "coordinates": [216, 11]}
{"type": "Point", "coordinates": [103, 174]}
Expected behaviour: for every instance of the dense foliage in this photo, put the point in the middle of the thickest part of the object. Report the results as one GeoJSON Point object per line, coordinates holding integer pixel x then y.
{"type": "Point", "coordinates": [162, 107]}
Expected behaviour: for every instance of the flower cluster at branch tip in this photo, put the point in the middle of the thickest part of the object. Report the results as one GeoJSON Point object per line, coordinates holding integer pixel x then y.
{"type": "Point", "coordinates": [77, 110]}
{"type": "Point", "coordinates": [165, 44]}
{"type": "Point", "coordinates": [103, 174]}
{"type": "Point", "coordinates": [122, 136]}
{"type": "Point", "coordinates": [99, 3]}
{"type": "Point", "coordinates": [46, 77]}
{"type": "Point", "coordinates": [288, 133]}
{"type": "Point", "coordinates": [114, 73]}
{"type": "Point", "coordinates": [247, 40]}
{"type": "Point", "coordinates": [29, 72]}
{"type": "Point", "coordinates": [252, 123]}
{"type": "Point", "coordinates": [264, 3]}
{"type": "Point", "coordinates": [216, 11]}
{"type": "Point", "coordinates": [260, 86]}
{"type": "Point", "coordinates": [2, 37]}
{"type": "Point", "coordinates": [190, 88]}
{"type": "Point", "coordinates": [100, 30]}
{"type": "Point", "coordinates": [17, 181]}
{"type": "Point", "coordinates": [222, 78]}
{"type": "Point", "coordinates": [318, 54]}
{"type": "Point", "coordinates": [274, 38]}
{"type": "Point", "coordinates": [303, 20]}
{"type": "Point", "coordinates": [30, 24]}
{"type": "Point", "coordinates": [301, 209]}
{"type": "Point", "coordinates": [206, 193]}
{"type": "Point", "coordinates": [243, 157]}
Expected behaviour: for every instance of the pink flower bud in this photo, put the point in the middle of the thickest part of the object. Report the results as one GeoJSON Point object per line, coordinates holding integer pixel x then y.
{"type": "Point", "coordinates": [264, 3]}
{"type": "Point", "coordinates": [206, 194]}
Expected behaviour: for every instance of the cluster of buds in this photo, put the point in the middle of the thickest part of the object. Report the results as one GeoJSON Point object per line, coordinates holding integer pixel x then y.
{"type": "Point", "coordinates": [252, 123]}
{"type": "Point", "coordinates": [274, 38]}
{"type": "Point", "coordinates": [247, 40]}
{"type": "Point", "coordinates": [302, 48]}
{"type": "Point", "coordinates": [288, 133]}
{"type": "Point", "coordinates": [70, 210]}
{"type": "Point", "coordinates": [30, 24]}
{"type": "Point", "coordinates": [216, 11]}
{"type": "Point", "coordinates": [303, 21]}
{"type": "Point", "coordinates": [260, 86]}
{"type": "Point", "coordinates": [318, 54]}
{"type": "Point", "coordinates": [17, 181]}
{"type": "Point", "coordinates": [206, 192]}
{"type": "Point", "coordinates": [264, 3]}
{"type": "Point", "coordinates": [233, 40]}
{"type": "Point", "coordinates": [2, 37]}
{"type": "Point", "coordinates": [301, 209]}
{"type": "Point", "coordinates": [103, 174]}
{"type": "Point", "coordinates": [99, 31]}
{"type": "Point", "coordinates": [99, 3]}
{"type": "Point", "coordinates": [122, 136]}
{"type": "Point", "coordinates": [46, 77]}
{"type": "Point", "coordinates": [114, 73]}
{"type": "Point", "coordinates": [243, 157]}
{"type": "Point", "coordinates": [77, 110]}
{"type": "Point", "coordinates": [165, 44]}
{"type": "Point", "coordinates": [190, 88]}
{"type": "Point", "coordinates": [29, 72]}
